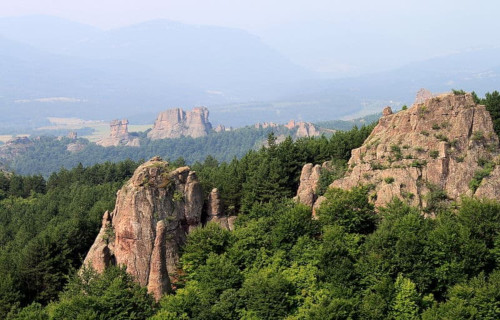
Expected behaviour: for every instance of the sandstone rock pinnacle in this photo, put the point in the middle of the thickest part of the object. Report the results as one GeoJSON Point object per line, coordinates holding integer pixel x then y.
{"type": "Point", "coordinates": [119, 135]}
{"type": "Point", "coordinates": [175, 123]}
{"type": "Point", "coordinates": [154, 212]}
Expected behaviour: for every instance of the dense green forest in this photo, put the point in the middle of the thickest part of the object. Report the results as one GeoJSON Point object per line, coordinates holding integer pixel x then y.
{"type": "Point", "coordinates": [351, 263]}
{"type": "Point", "coordinates": [50, 154]}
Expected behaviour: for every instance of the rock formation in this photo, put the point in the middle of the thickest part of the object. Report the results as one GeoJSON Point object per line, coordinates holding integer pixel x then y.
{"type": "Point", "coordinates": [423, 95]}
{"type": "Point", "coordinates": [75, 147]}
{"type": "Point", "coordinates": [215, 211]}
{"type": "Point", "coordinates": [309, 179]}
{"type": "Point", "coordinates": [15, 147]}
{"type": "Point", "coordinates": [265, 125]}
{"type": "Point", "coordinates": [175, 123]}
{"type": "Point", "coordinates": [304, 129]}
{"type": "Point", "coordinates": [154, 211]}
{"type": "Point", "coordinates": [222, 128]}
{"type": "Point", "coordinates": [436, 144]}
{"type": "Point", "coordinates": [119, 135]}
{"type": "Point", "coordinates": [73, 135]}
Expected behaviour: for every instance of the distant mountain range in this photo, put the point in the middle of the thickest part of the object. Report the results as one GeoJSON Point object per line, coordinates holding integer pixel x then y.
{"type": "Point", "coordinates": [54, 67]}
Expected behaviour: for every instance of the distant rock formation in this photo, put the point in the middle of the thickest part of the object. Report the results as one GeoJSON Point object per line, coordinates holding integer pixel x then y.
{"type": "Point", "coordinates": [304, 129]}
{"type": "Point", "coordinates": [436, 144]}
{"type": "Point", "coordinates": [175, 123]}
{"type": "Point", "coordinates": [73, 135]}
{"type": "Point", "coordinates": [119, 135]}
{"type": "Point", "coordinates": [265, 125]}
{"type": "Point", "coordinates": [222, 128]}
{"type": "Point", "coordinates": [423, 95]}
{"type": "Point", "coordinates": [15, 147]}
{"type": "Point", "coordinates": [75, 147]}
{"type": "Point", "coordinates": [153, 214]}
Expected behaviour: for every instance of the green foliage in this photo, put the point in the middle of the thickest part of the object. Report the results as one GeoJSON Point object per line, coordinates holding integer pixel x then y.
{"type": "Point", "coordinates": [349, 209]}
{"type": "Point", "coordinates": [480, 174]}
{"type": "Point", "coordinates": [267, 296]}
{"type": "Point", "coordinates": [478, 298]}
{"type": "Point", "coordinates": [336, 170]}
{"type": "Point", "coordinates": [110, 295]}
{"type": "Point", "coordinates": [433, 154]}
{"type": "Point", "coordinates": [477, 135]}
{"type": "Point", "coordinates": [389, 180]}
{"type": "Point", "coordinates": [492, 103]}
{"type": "Point", "coordinates": [46, 230]}
{"type": "Point", "coordinates": [458, 92]}
{"type": "Point", "coordinates": [201, 242]}
{"type": "Point", "coordinates": [278, 263]}
{"type": "Point", "coordinates": [406, 301]}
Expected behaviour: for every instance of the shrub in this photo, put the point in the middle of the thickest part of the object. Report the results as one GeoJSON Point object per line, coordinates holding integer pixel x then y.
{"type": "Point", "coordinates": [389, 180]}
{"type": "Point", "coordinates": [435, 126]}
{"type": "Point", "coordinates": [477, 135]}
{"type": "Point", "coordinates": [441, 137]}
{"type": "Point", "coordinates": [434, 154]}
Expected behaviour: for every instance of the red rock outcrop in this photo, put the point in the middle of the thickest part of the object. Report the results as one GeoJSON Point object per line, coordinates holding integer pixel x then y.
{"type": "Point", "coordinates": [265, 125]}
{"type": "Point", "coordinates": [119, 135]}
{"type": "Point", "coordinates": [15, 147]}
{"type": "Point", "coordinates": [304, 129]}
{"type": "Point", "coordinates": [439, 143]}
{"type": "Point", "coordinates": [215, 211]}
{"type": "Point", "coordinates": [154, 212]}
{"type": "Point", "coordinates": [222, 128]}
{"type": "Point", "coordinates": [309, 178]}
{"type": "Point", "coordinates": [175, 123]}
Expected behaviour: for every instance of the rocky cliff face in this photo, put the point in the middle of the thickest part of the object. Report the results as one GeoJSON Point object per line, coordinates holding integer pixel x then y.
{"type": "Point", "coordinates": [15, 147]}
{"type": "Point", "coordinates": [439, 143]}
{"type": "Point", "coordinates": [154, 212]}
{"type": "Point", "coordinates": [119, 135]}
{"type": "Point", "coordinates": [304, 129]}
{"type": "Point", "coordinates": [175, 123]}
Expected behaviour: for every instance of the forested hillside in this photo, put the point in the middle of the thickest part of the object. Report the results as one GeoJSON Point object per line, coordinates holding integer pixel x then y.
{"type": "Point", "coordinates": [49, 154]}
{"type": "Point", "coordinates": [353, 262]}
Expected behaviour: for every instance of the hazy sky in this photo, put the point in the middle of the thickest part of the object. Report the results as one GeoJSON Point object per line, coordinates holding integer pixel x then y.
{"type": "Point", "coordinates": [250, 14]}
{"type": "Point", "coordinates": [338, 36]}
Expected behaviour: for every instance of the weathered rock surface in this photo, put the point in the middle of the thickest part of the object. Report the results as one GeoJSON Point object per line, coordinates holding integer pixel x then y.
{"type": "Point", "coordinates": [423, 95]}
{"type": "Point", "coordinates": [304, 129]}
{"type": "Point", "coordinates": [439, 143]}
{"type": "Point", "coordinates": [222, 128]}
{"type": "Point", "coordinates": [215, 212]}
{"type": "Point", "coordinates": [154, 212]}
{"type": "Point", "coordinates": [75, 147]}
{"type": "Point", "coordinates": [175, 123]}
{"type": "Point", "coordinates": [309, 179]}
{"type": "Point", "coordinates": [119, 135]}
{"type": "Point", "coordinates": [265, 125]}
{"type": "Point", "coordinates": [15, 147]}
